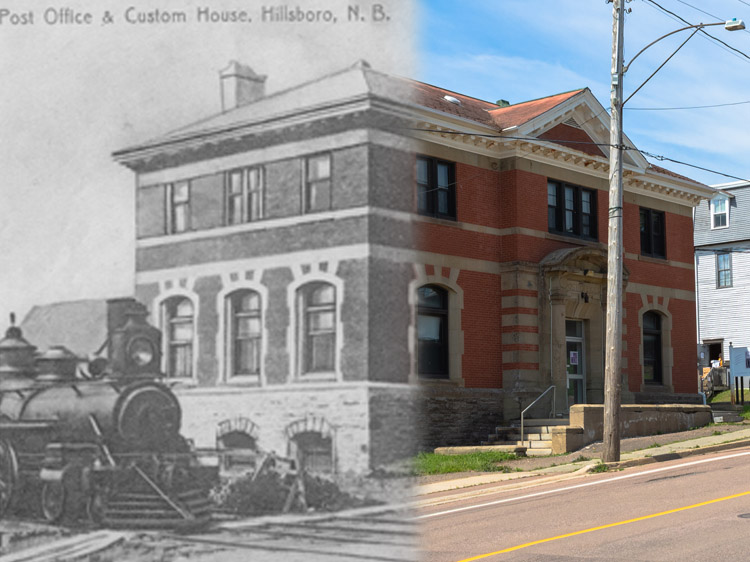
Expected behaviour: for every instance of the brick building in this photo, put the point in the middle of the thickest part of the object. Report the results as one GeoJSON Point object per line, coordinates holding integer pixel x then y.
{"type": "Point", "coordinates": [510, 288]}
{"type": "Point", "coordinates": [271, 251]}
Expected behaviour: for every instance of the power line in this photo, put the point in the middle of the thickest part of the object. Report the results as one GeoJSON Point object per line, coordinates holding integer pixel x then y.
{"type": "Point", "coordinates": [688, 107]}
{"type": "Point", "coordinates": [703, 31]}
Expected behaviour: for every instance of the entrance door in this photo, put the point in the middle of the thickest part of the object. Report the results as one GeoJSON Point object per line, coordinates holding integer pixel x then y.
{"type": "Point", "coordinates": [575, 359]}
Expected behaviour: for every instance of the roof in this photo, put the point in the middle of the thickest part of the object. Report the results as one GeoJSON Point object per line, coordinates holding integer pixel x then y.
{"type": "Point", "coordinates": [356, 82]}
{"type": "Point", "coordinates": [80, 326]}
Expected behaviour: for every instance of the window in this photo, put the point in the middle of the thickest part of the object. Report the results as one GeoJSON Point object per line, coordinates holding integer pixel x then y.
{"type": "Point", "coordinates": [318, 183]}
{"type": "Point", "coordinates": [653, 236]}
{"type": "Point", "coordinates": [178, 198]}
{"type": "Point", "coordinates": [313, 451]}
{"type": "Point", "coordinates": [317, 328]}
{"type": "Point", "coordinates": [432, 332]}
{"type": "Point", "coordinates": [723, 270]}
{"type": "Point", "coordinates": [245, 334]}
{"type": "Point", "coordinates": [240, 451]}
{"type": "Point", "coordinates": [436, 188]}
{"type": "Point", "coordinates": [178, 315]}
{"type": "Point", "coordinates": [571, 210]}
{"type": "Point", "coordinates": [719, 213]}
{"type": "Point", "coordinates": [652, 368]}
{"type": "Point", "coordinates": [245, 195]}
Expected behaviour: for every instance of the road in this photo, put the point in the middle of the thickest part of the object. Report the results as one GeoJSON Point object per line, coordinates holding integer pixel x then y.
{"type": "Point", "coordinates": [687, 509]}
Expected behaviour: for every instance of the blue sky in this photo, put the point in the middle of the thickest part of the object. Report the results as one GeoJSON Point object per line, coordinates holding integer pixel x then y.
{"type": "Point", "coordinates": [525, 49]}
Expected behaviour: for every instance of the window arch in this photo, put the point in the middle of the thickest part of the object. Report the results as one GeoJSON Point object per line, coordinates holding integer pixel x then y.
{"type": "Point", "coordinates": [652, 348]}
{"type": "Point", "coordinates": [244, 329]}
{"type": "Point", "coordinates": [179, 327]}
{"type": "Point", "coordinates": [313, 451]}
{"type": "Point", "coordinates": [432, 332]}
{"type": "Point", "coordinates": [316, 327]}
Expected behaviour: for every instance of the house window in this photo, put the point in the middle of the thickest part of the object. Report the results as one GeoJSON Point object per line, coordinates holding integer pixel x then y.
{"type": "Point", "coordinates": [178, 315]}
{"type": "Point", "coordinates": [245, 195]}
{"type": "Point", "coordinates": [178, 205]}
{"type": "Point", "coordinates": [318, 183]}
{"type": "Point", "coordinates": [571, 210]}
{"type": "Point", "coordinates": [652, 366]}
{"type": "Point", "coordinates": [723, 270]}
{"type": "Point", "coordinates": [432, 332]}
{"type": "Point", "coordinates": [653, 235]}
{"type": "Point", "coordinates": [245, 334]}
{"type": "Point", "coordinates": [719, 213]}
{"type": "Point", "coordinates": [313, 452]}
{"type": "Point", "coordinates": [436, 188]}
{"type": "Point", "coordinates": [317, 328]}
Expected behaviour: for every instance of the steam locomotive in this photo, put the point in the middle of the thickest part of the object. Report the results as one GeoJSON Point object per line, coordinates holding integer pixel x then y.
{"type": "Point", "coordinates": [98, 439]}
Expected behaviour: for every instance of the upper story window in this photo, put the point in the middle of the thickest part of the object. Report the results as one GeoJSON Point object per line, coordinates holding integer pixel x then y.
{"type": "Point", "coordinates": [245, 334]}
{"type": "Point", "coordinates": [653, 235]}
{"type": "Point", "coordinates": [245, 195]}
{"type": "Point", "coordinates": [719, 212]}
{"type": "Point", "coordinates": [317, 328]}
{"type": "Point", "coordinates": [178, 207]}
{"type": "Point", "coordinates": [178, 317]}
{"type": "Point", "coordinates": [436, 188]}
{"type": "Point", "coordinates": [723, 270]}
{"type": "Point", "coordinates": [318, 183]}
{"type": "Point", "coordinates": [571, 210]}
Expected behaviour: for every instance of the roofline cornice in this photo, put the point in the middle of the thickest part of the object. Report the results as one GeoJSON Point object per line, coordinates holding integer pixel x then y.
{"type": "Point", "coordinates": [220, 134]}
{"type": "Point", "coordinates": [636, 180]}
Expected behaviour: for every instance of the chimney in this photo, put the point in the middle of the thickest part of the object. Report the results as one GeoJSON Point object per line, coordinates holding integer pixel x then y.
{"type": "Point", "coordinates": [240, 86]}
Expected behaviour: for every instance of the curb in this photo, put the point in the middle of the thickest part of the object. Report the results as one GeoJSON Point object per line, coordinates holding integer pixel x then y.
{"type": "Point", "coordinates": [680, 454]}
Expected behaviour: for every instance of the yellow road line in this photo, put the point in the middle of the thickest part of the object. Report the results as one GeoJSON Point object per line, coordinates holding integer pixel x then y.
{"type": "Point", "coordinates": [584, 531]}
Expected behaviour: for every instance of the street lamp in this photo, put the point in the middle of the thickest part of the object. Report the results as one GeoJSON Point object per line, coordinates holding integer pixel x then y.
{"type": "Point", "coordinates": [613, 343]}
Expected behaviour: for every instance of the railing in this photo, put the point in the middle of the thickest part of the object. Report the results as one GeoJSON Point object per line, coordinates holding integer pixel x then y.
{"type": "Point", "coordinates": [538, 398]}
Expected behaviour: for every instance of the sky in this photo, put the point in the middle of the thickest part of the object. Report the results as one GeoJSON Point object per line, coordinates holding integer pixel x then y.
{"type": "Point", "coordinates": [73, 94]}
{"type": "Point", "coordinates": [520, 50]}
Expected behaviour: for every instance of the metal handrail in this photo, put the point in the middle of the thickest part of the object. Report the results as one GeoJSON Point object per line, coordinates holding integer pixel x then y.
{"type": "Point", "coordinates": [538, 398]}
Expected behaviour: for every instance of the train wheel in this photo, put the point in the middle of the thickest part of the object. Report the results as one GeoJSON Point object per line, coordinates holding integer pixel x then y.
{"type": "Point", "coordinates": [8, 476]}
{"type": "Point", "coordinates": [53, 501]}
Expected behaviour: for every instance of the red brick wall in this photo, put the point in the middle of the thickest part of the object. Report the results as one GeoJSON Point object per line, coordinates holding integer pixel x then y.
{"type": "Point", "coordinates": [683, 343]}
{"type": "Point", "coordinates": [478, 195]}
{"type": "Point", "coordinates": [481, 322]}
{"type": "Point", "coordinates": [578, 138]}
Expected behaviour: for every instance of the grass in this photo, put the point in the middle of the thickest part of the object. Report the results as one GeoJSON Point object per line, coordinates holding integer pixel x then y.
{"type": "Point", "coordinates": [489, 461]}
{"type": "Point", "coordinates": [745, 413]}
{"type": "Point", "coordinates": [726, 396]}
{"type": "Point", "coordinates": [601, 467]}
{"type": "Point", "coordinates": [654, 446]}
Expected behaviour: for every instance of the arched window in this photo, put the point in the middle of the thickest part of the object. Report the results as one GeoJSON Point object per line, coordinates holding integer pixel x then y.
{"type": "Point", "coordinates": [241, 450]}
{"type": "Point", "coordinates": [317, 328]}
{"type": "Point", "coordinates": [652, 360]}
{"type": "Point", "coordinates": [179, 328]}
{"type": "Point", "coordinates": [313, 452]}
{"type": "Point", "coordinates": [245, 334]}
{"type": "Point", "coordinates": [432, 332]}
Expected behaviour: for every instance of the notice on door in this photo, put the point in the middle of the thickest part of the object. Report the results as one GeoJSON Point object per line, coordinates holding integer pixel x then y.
{"type": "Point", "coordinates": [574, 358]}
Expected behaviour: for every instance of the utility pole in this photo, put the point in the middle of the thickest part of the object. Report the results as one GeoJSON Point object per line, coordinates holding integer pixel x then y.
{"type": "Point", "coordinates": [613, 343]}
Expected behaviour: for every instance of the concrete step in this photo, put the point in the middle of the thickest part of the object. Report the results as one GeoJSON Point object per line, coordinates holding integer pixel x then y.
{"type": "Point", "coordinates": [725, 417]}
{"type": "Point", "coordinates": [544, 422]}
{"type": "Point", "coordinates": [541, 452]}
{"type": "Point", "coordinates": [527, 436]}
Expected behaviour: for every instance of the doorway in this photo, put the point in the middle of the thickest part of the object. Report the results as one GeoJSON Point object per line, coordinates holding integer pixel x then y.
{"type": "Point", "coordinates": [576, 362]}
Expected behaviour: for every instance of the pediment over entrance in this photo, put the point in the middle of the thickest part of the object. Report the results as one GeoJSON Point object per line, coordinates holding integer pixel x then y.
{"type": "Point", "coordinates": [587, 262]}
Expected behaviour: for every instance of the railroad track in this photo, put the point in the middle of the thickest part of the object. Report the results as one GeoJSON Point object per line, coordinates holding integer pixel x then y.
{"type": "Point", "coordinates": [385, 537]}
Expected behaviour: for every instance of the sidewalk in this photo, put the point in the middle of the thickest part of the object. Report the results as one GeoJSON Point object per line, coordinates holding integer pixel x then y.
{"type": "Point", "coordinates": [679, 449]}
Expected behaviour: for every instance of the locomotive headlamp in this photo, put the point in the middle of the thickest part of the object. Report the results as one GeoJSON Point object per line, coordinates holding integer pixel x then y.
{"type": "Point", "coordinates": [141, 351]}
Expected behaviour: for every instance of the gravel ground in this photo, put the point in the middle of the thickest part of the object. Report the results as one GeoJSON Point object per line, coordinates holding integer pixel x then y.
{"type": "Point", "coordinates": [593, 450]}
